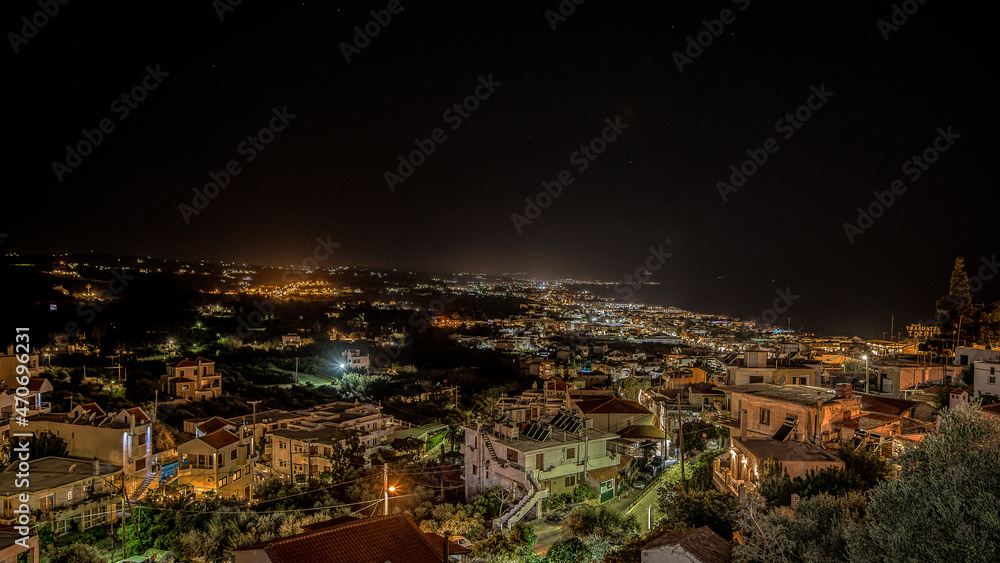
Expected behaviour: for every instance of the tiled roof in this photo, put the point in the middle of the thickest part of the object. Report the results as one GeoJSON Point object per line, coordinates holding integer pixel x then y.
{"type": "Point", "coordinates": [394, 539]}
{"type": "Point", "coordinates": [219, 439]}
{"type": "Point", "coordinates": [641, 431]}
{"type": "Point", "coordinates": [137, 413]}
{"type": "Point", "coordinates": [612, 405]}
{"type": "Point", "coordinates": [993, 409]}
{"type": "Point", "coordinates": [36, 384]}
{"type": "Point", "coordinates": [885, 405]}
{"type": "Point", "coordinates": [705, 545]}
{"type": "Point", "coordinates": [870, 421]}
{"type": "Point", "coordinates": [183, 380]}
{"type": "Point", "coordinates": [213, 424]}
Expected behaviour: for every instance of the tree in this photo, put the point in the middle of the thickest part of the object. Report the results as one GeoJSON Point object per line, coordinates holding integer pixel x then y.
{"type": "Point", "coordinates": [712, 508]}
{"type": "Point", "coordinates": [569, 550]}
{"type": "Point", "coordinates": [499, 549]}
{"type": "Point", "coordinates": [46, 444]}
{"type": "Point", "coordinates": [76, 553]}
{"type": "Point", "coordinates": [163, 438]}
{"type": "Point", "coordinates": [953, 305]}
{"type": "Point", "coordinates": [629, 387]}
{"type": "Point", "coordinates": [821, 531]}
{"type": "Point", "coordinates": [602, 521]}
{"type": "Point", "coordinates": [943, 506]}
{"type": "Point", "coordinates": [523, 534]}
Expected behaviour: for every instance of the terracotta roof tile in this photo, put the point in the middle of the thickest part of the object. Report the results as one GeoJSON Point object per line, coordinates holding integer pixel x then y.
{"type": "Point", "coordinates": [219, 439]}
{"type": "Point", "coordinates": [394, 538]}
{"type": "Point", "coordinates": [705, 545]}
{"type": "Point", "coordinates": [213, 424]}
{"type": "Point", "coordinates": [612, 405]}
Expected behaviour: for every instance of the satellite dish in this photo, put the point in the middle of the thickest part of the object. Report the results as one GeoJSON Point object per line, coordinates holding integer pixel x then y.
{"type": "Point", "coordinates": [781, 380]}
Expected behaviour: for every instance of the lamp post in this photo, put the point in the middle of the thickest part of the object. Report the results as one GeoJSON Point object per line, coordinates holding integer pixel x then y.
{"type": "Point", "coordinates": [391, 489]}
{"type": "Point", "coordinates": [865, 358]}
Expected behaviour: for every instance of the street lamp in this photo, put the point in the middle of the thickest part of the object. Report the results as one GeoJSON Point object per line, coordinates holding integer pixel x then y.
{"type": "Point", "coordinates": [865, 358]}
{"type": "Point", "coordinates": [391, 489]}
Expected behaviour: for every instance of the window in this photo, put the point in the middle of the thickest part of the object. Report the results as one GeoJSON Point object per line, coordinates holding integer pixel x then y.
{"type": "Point", "coordinates": [993, 371]}
{"type": "Point", "coordinates": [237, 475]}
{"type": "Point", "coordinates": [184, 388]}
{"type": "Point", "coordinates": [993, 380]}
{"type": "Point", "coordinates": [570, 453]}
{"type": "Point", "coordinates": [69, 495]}
{"type": "Point", "coordinates": [281, 445]}
{"type": "Point", "coordinates": [142, 439]}
{"type": "Point", "coordinates": [223, 481]}
{"type": "Point", "coordinates": [474, 469]}
{"type": "Point", "coordinates": [232, 454]}
{"type": "Point", "coordinates": [512, 455]}
{"type": "Point", "coordinates": [765, 417]}
{"type": "Point", "coordinates": [964, 359]}
{"type": "Point", "coordinates": [570, 481]}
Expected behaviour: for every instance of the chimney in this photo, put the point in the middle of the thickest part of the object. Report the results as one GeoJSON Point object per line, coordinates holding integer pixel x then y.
{"type": "Point", "coordinates": [97, 467]}
{"type": "Point", "coordinates": [843, 390]}
{"type": "Point", "coordinates": [819, 418]}
{"type": "Point", "coordinates": [743, 425]}
{"type": "Point", "coordinates": [447, 548]}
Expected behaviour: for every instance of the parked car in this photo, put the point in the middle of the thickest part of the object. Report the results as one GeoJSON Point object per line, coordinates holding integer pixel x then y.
{"type": "Point", "coordinates": [657, 462]}
{"type": "Point", "coordinates": [642, 481]}
{"type": "Point", "coordinates": [669, 463]}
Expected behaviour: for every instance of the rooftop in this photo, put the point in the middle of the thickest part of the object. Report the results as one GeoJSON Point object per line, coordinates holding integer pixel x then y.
{"type": "Point", "coordinates": [803, 394]}
{"type": "Point", "coordinates": [382, 539]}
{"type": "Point", "coordinates": [51, 472]}
{"type": "Point", "coordinates": [556, 439]}
{"type": "Point", "coordinates": [703, 543]}
{"type": "Point", "coordinates": [766, 448]}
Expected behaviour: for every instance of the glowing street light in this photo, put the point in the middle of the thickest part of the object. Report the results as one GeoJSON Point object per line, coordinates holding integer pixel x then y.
{"type": "Point", "coordinates": [865, 358]}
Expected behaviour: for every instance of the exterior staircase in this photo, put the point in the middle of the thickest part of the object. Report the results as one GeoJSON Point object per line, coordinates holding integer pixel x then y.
{"type": "Point", "coordinates": [141, 489]}
{"type": "Point", "coordinates": [514, 515]}
{"type": "Point", "coordinates": [493, 452]}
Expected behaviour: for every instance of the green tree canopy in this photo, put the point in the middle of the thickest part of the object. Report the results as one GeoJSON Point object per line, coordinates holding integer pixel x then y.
{"type": "Point", "coordinates": [712, 508]}
{"type": "Point", "coordinates": [944, 505]}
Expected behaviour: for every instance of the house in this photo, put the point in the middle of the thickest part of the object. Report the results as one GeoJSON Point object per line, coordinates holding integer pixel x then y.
{"type": "Point", "coordinates": [193, 380]}
{"type": "Point", "coordinates": [13, 544]}
{"type": "Point", "coordinates": [612, 414]}
{"type": "Point", "coordinates": [9, 363]}
{"type": "Point", "coordinates": [62, 492]}
{"type": "Point", "coordinates": [755, 367]}
{"type": "Point", "coordinates": [884, 418]}
{"type": "Point", "coordinates": [985, 378]}
{"type": "Point", "coordinates": [217, 461]}
{"type": "Point", "coordinates": [305, 454]}
{"type": "Point", "coordinates": [124, 438]}
{"type": "Point", "coordinates": [798, 412]}
{"type": "Point", "coordinates": [536, 460]}
{"type": "Point", "coordinates": [356, 360]}
{"type": "Point", "coordinates": [700, 545]}
{"type": "Point", "coordinates": [967, 356]}
{"type": "Point", "coordinates": [739, 470]}
{"type": "Point", "coordinates": [291, 340]}
{"type": "Point", "coordinates": [899, 377]}
{"type": "Point", "coordinates": [382, 539]}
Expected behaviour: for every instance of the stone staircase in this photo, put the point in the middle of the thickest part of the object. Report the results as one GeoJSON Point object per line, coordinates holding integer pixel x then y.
{"type": "Point", "coordinates": [143, 487]}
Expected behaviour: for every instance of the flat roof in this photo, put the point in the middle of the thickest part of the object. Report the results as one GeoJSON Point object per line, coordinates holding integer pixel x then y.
{"type": "Point", "coordinates": [51, 472]}
{"type": "Point", "coordinates": [767, 448]}
{"type": "Point", "coordinates": [803, 394]}
{"type": "Point", "coordinates": [556, 438]}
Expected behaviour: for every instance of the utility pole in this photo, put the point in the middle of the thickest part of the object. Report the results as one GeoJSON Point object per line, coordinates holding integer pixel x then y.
{"type": "Point", "coordinates": [680, 438]}
{"type": "Point", "coordinates": [385, 487]}
{"type": "Point", "coordinates": [253, 447]}
{"type": "Point", "coordinates": [296, 369]}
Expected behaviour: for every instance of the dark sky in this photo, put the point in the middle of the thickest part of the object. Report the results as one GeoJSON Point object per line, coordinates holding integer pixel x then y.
{"type": "Point", "coordinates": [323, 175]}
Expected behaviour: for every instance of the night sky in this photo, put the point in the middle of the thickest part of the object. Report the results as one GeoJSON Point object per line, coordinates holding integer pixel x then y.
{"type": "Point", "coordinates": [323, 175]}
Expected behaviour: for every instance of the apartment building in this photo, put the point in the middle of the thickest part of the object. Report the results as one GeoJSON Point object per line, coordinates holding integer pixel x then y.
{"type": "Point", "coordinates": [193, 380]}
{"type": "Point", "coordinates": [986, 379]}
{"type": "Point", "coordinates": [537, 460]}
{"type": "Point", "coordinates": [305, 454]}
{"type": "Point", "coordinates": [799, 412]}
{"type": "Point", "coordinates": [217, 461]}
{"type": "Point", "coordinates": [60, 491]}
{"type": "Point", "coordinates": [124, 438]}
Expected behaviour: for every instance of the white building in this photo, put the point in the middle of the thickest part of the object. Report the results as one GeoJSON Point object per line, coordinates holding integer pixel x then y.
{"type": "Point", "coordinates": [986, 382]}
